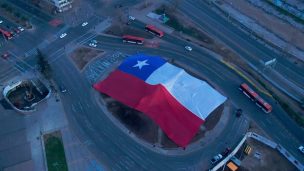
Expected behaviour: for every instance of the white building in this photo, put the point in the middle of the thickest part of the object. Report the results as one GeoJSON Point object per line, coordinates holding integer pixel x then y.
{"type": "Point", "coordinates": [61, 5]}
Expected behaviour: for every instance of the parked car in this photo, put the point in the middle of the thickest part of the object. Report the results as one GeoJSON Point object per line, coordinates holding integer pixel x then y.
{"type": "Point", "coordinates": [239, 112]}
{"type": "Point", "coordinates": [17, 31]}
{"type": "Point", "coordinates": [226, 152]}
{"type": "Point", "coordinates": [84, 24]}
{"type": "Point", "coordinates": [301, 148]}
{"type": "Point", "coordinates": [131, 18]}
{"type": "Point", "coordinates": [188, 48]}
{"type": "Point", "coordinates": [62, 35]}
{"type": "Point", "coordinates": [92, 45]}
{"type": "Point", "coordinates": [62, 89]}
{"type": "Point", "coordinates": [5, 55]}
{"type": "Point", "coordinates": [216, 159]}
{"type": "Point", "coordinates": [21, 28]}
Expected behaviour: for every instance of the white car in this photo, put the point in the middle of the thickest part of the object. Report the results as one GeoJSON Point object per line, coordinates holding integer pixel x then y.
{"type": "Point", "coordinates": [92, 45]}
{"type": "Point", "coordinates": [301, 148]}
{"type": "Point", "coordinates": [188, 48]}
{"type": "Point", "coordinates": [84, 24]}
{"type": "Point", "coordinates": [20, 28]}
{"type": "Point", "coordinates": [1, 21]}
{"type": "Point", "coordinates": [131, 18]}
{"type": "Point", "coordinates": [216, 159]}
{"type": "Point", "coordinates": [62, 35]}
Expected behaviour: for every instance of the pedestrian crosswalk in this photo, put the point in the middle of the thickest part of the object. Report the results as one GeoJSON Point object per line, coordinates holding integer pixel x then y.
{"type": "Point", "coordinates": [7, 73]}
{"type": "Point", "coordinates": [32, 52]}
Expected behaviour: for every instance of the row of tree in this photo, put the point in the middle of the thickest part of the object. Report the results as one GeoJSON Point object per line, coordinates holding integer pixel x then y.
{"type": "Point", "coordinates": [11, 10]}
{"type": "Point", "coordinates": [43, 65]}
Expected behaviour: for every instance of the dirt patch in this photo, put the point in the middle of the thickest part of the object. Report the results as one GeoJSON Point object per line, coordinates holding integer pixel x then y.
{"type": "Point", "coordinates": [135, 121]}
{"type": "Point", "coordinates": [263, 157]}
{"type": "Point", "coordinates": [82, 56]}
{"type": "Point", "coordinates": [56, 134]}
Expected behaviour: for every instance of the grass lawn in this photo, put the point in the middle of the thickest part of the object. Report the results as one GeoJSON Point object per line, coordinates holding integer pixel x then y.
{"type": "Point", "coordinates": [55, 154]}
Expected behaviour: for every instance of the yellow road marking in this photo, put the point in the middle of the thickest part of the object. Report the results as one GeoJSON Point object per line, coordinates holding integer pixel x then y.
{"type": "Point", "coordinates": [246, 78]}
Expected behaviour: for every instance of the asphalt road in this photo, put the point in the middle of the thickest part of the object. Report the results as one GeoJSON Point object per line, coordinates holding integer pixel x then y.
{"type": "Point", "coordinates": [250, 49]}
{"type": "Point", "coordinates": [118, 150]}
{"type": "Point", "coordinates": [108, 141]}
{"type": "Point", "coordinates": [281, 117]}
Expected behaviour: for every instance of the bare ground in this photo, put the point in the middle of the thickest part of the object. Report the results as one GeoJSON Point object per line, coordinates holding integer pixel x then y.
{"type": "Point", "coordinates": [270, 159]}
{"type": "Point", "coordinates": [82, 56]}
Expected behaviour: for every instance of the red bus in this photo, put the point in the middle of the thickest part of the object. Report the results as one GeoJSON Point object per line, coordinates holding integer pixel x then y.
{"type": "Point", "coordinates": [152, 29]}
{"type": "Point", "coordinates": [133, 39]}
{"type": "Point", "coordinates": [255, 97]}
{"type": "Point", "coordinates": [264, 105]}
{"type": "Point", "coordinates": [248, 91]}
{"type": "Point", "coordinates": [6, 34]}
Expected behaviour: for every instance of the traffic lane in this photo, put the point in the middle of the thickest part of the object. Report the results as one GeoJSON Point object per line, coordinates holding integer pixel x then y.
{"type": "Point", "coordinates": [234, 86]}
{"type": "Point", "coordinates": [74, 36]}
{"type": "Point", "coordinates": [81, 88]}
{"type": "Point", "coordinates": [32, 10]}
{"type": "Point", "coordinates": [117, 143]}
{"type": "Point", "coordinates": [279, 113]}
{"type": "Point", "coordinates": [219, 27]}
{"type": "Point", "coordinates": [287, 64]}
{"type": "Point", "coordinates": [294, 78]}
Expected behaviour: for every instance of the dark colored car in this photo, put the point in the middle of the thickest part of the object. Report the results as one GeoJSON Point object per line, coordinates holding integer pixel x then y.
{"type": "Point", "coordinates": [17, 31]}
{"type": "Point", "coordinates": [5, 55]}
{"type": "Point", "coordinates": [62, 89]}
{"type": "Point", "coordinates": [226, 152]}
{"type": "Point", "coordinates": [216, 159]}
{"type": "Point", "coordinates": [239, 112]}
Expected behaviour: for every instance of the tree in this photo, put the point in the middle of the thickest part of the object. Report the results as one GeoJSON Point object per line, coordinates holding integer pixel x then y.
{"type": "Point", "coordinates": [43, 65]}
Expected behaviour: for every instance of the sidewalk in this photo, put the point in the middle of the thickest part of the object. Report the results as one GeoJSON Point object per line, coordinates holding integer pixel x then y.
{"type": "Point", "coordinates": [49, 117]}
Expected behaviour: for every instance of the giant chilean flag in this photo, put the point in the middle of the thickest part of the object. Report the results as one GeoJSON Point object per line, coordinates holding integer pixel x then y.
{"type": "Point", "coordinates": [176, 101]}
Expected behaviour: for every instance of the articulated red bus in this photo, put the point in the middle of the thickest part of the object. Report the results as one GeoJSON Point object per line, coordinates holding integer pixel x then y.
{"type": "Point", "coordinates": [6, 34]}
{"type": "Point", "coordinates": [152, 29]}
{"type": "Point", "coordinates": [264, 105]}
{"type": "Point", "coordinates": [248, 91]}
{"type": "Point", "coordinates": [255, 97]}
{"type": "Point", "coordinates": [133, 39]}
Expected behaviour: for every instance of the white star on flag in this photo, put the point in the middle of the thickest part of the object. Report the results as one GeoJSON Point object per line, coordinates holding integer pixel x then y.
{"type": "Point", "coordinates": [140, 64]}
